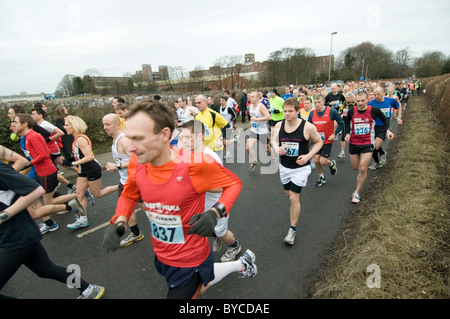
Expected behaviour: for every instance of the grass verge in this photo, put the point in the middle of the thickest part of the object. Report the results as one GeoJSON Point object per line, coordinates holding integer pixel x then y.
{"type": "Point", "coordinates": [402, 223]}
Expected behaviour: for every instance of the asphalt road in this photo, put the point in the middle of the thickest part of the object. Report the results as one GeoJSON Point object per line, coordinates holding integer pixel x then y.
{"type": "Point", "coordinates": [259, 219]}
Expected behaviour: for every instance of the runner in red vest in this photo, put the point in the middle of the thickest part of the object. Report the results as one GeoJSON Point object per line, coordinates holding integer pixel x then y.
{"type": "Point", "coordinates": [172, 187]}
{"type": "Point", "coordinates": [324, 118]}
{"type": "Point", "coordinates": [360, 133]}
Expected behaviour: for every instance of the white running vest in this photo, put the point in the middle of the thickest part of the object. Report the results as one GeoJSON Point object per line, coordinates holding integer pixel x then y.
{"type": "Point", "coordinates": [258, 127]}
{"type": "Point", "coordinates": [123, 172]}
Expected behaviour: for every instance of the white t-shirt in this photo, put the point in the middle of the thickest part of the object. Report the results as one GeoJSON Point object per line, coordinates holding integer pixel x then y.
{"type": "Point", "coordinates": [49, 127]}
{"type": "Point", "coordinates": [231, 102]}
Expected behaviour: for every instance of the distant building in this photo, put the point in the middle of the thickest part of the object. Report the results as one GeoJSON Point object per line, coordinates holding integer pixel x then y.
{"type": "Point", "coordinates": [323, 64]}
{"type": "Point", "coordinates": [249, 66]}
{"type": "Point", "coordinates": [148, 75]}
{"type": "Point", "coordinates": [147, 72]}
{"type": "Point", "coordinates": [249, 58]}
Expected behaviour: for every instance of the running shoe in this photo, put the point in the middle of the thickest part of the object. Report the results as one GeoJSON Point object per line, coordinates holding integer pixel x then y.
{"type": "Point", "coordinates": [97, 292]}
{"type": "Point", "coordinates": [72, 190]}
{"type": "Point", "coordinates": [76, 207]}
{"type": "Point", "coordinates": [131, 238]}
{"type": "Point", "coordinates": [228, 155]}
{"type": "Point", "coordinates": [333, 167]}
{"type": "Point", "coordinates": [45, 229]}
{"type": "Point", "coordinates": [248, 259]}
{"type": "Point", "coordinates": [383, 158]}
{"type": "Point", "coordinates": [231, 253]}
{"type": "Point", "coordinates": [90, 198]}
{"type": "Point", "coordinates": [341, 155]}
{"type": "Point", "coordinates": [290, 237]}
{"type": "Point", "coordinates": [216, 244]}
{"type": "Point", "coordinates": [375, 166]}
{"type": "Point", "coordinates": [320, 181]}
{"type": "Point", "coordinates": [80, 222]}
{"type": "Point", "coordinates": [355, 198]}
{"type": "Point", "coordinates": [253, 166]}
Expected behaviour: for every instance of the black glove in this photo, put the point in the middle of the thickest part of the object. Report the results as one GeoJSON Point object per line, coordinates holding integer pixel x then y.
{"type": "Point", "coordinates": [67, 162]}
{"type": "Point", "coordinates": [111, 239]}
{"type": "Point", "coordinates": [204, 223]}
{"type": "Point", "coordinates": [276, 111]}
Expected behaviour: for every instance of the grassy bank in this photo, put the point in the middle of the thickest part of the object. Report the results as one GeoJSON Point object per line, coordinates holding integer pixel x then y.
{"type": "Point", "coordinates": [402, 225]}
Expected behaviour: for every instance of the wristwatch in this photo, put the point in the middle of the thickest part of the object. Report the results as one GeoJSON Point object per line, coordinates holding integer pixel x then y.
{"type": "Point", "coordinates": [4, 216]}
{"type": "Point", "coordinates": [220, 208]}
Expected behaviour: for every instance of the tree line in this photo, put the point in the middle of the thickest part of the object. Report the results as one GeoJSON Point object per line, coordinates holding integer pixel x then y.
{"type": "Point", "coordinates": [285, 66]}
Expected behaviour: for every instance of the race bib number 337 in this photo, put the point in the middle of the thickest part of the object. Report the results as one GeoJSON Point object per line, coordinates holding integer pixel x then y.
{"type": "Point", "coordinates": [166, 228]}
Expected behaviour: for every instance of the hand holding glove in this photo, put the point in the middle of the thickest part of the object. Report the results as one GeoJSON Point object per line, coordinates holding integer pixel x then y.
{"type": "Point", "coordinates": [204, 223]}
{"type": "Point", "coordinates": [111, 238]}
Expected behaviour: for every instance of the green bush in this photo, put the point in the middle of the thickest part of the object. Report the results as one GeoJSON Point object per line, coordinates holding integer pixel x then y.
{"type": "Point", "coordinates": [93, 116]}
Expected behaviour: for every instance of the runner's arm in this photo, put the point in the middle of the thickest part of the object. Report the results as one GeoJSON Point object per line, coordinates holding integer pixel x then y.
{"type": "Point", "coordinates": [130, 195]}
{"type": "Point", "coordinates": [19, 161]}
{"type": "Point", "coordinates": [334, 115]}
{"type": "Point", "coordinates": [275, 140]}
{"type": "Point", "coordinates": [38, 146]}
{"type": "Point", "coordinates": [315, 138]}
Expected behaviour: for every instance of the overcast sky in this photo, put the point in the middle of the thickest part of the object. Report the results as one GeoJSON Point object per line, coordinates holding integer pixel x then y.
{"type": "Point", "coordinates": [41, 41]}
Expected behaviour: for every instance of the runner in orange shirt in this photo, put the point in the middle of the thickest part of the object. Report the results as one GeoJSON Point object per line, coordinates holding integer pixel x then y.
{"type": "Point", "coordinates": [172, 187]}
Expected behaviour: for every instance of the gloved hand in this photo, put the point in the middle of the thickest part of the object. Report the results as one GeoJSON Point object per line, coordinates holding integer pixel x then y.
{"type": "Point", "coordinates": [67, 162]}
{"type": "Point", "coordinates": [275, 111]}
{"type": "Point", "coordinates": [111, 238]}
{"type": "Point", "coordinates": [204, 223]}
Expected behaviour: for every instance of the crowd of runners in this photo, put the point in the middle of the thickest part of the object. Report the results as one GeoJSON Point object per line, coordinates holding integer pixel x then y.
{"type": "Point", "coordinates": [170, 163]}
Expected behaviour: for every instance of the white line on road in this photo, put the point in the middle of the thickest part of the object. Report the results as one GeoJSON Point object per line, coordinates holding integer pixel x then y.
{"type": "Point", "coordinates": [99, 227]}
{"type": "Point", "coordinates": [93, 230]}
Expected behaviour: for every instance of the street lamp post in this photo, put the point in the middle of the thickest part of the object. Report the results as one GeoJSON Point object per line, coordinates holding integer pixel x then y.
{"type": "Point", "coordinates": [331, 50]}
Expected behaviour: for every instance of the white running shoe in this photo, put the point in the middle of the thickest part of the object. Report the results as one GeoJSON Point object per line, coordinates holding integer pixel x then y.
{"type": "Point", "coordinates": [97, 292]}
{"type": "Point", "coordinates": [248, 259]}
{"type": "Point", "coordinates": [131, 238]}
{"type": "Point", "coordinates": [231, 253]}
{"type": "Point", "coordinates": [80, 222]}
{"type": "Point", "coordinates": [375, 166]}
{"type": "Point", "coordinates": [290, 237]}
{"type": "Point", "coordinates": [355, 198]}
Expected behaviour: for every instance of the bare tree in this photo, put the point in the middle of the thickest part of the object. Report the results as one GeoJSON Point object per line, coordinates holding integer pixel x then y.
{"type": "Point", "coordinates": [66, 85]}
{"type": "Point", "coordinates": [93, 72]}
{"type": "Point", "coordinates": [218, 70]}
{"type": "Point", "coordinates": [198, 77]}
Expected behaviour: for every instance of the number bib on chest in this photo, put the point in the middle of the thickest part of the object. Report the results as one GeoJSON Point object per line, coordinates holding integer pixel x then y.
{"type": "Point", "coordinates": [361, 129]}
{"type": "Point", "coordinates": [166, 228]}
{"type": "Point", "coordinates": [255, 124]}
{"type": "Point", "coordinates": [322, 136]}
{"type": "Point", "coordinates": [291, 148]}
